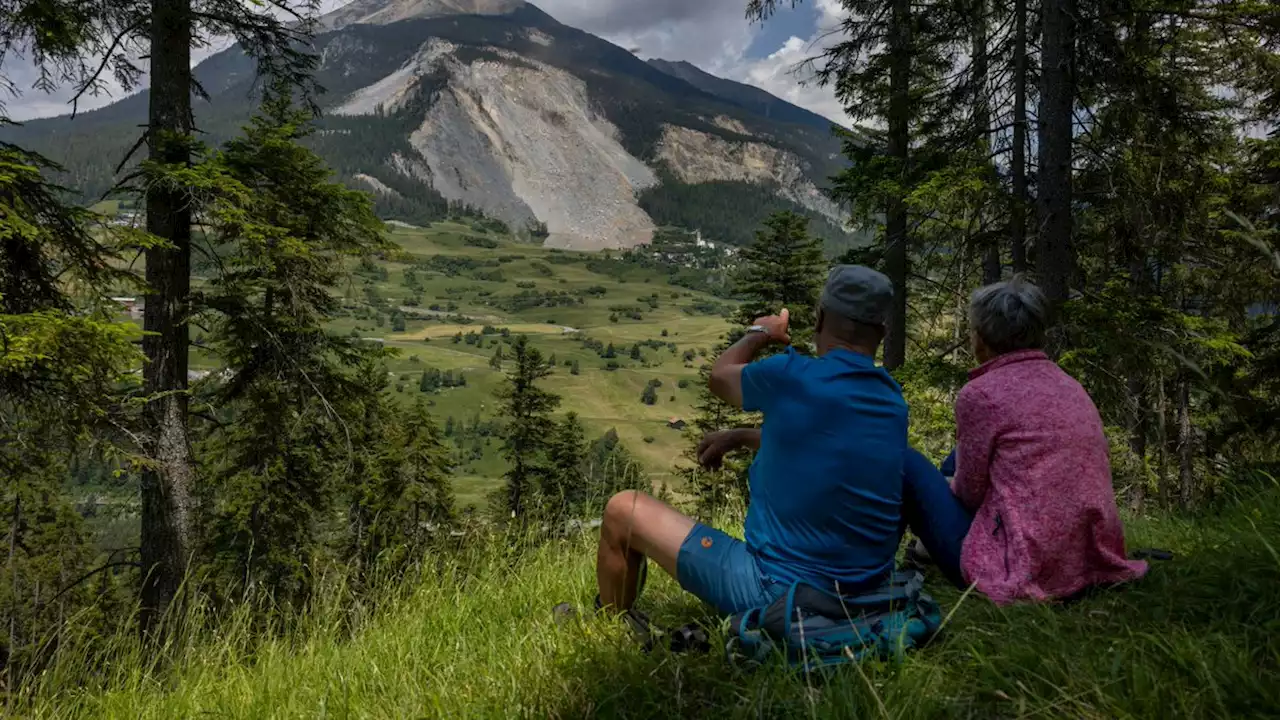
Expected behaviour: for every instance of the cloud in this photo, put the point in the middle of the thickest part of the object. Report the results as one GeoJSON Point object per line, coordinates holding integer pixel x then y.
{"type": "Point", "coordinates": [712, 34]}
{"type": "Point", "coordinates": [785, 74]}
{"type": "Point", "coordinates": [623, 16]}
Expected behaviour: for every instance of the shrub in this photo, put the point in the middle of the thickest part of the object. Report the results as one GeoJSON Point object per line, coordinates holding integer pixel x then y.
{"type": "Point", "coordinates": [649, 396]}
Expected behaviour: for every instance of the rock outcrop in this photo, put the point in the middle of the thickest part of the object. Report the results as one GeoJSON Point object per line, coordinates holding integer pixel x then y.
{"type": "Point", "coordinates": [698, 157]}
{"type": "Point", "coordinates": [520, 140]}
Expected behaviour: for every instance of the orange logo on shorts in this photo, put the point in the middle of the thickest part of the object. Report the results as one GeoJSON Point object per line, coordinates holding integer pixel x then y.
{"type": "Point", "coordinates": [706, 542]}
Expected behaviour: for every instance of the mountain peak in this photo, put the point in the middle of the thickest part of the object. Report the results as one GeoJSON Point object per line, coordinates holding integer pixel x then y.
{"type": "Point", "coordinates": [385, 12]}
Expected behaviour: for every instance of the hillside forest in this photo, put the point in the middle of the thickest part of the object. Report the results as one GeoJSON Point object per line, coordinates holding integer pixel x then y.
{"type": "Point", "coordinates": [258, 457]}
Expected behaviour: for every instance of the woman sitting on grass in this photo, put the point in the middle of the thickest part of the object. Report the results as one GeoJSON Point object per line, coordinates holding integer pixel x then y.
{"type": "Point", "coordinates": [1031, 514]}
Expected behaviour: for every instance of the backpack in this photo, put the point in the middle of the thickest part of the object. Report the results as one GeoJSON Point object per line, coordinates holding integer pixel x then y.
{"type": "Point", "coordinates": [817, 629]}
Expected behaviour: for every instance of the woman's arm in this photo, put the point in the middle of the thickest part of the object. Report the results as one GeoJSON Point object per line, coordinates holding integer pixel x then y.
{"type": "Point", "coordinates": [976, 427]}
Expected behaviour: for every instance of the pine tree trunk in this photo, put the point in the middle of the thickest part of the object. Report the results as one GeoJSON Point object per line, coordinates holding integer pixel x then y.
{"type": "Point", "coordinates": [1018, 163]}
{"type": "Point", "coordinates": [1137, 384]}
{"type": "Point", "coordinates": [982, 126]}
{"type": "Point", "coordinates": [167, 486]}
{"type": "Point", "coordinates": [1057, 93]}
{"type": "Point", "coordinates": [515, 490]}
{"type": "Point", "coordinates": [1138, 399]}
{"type": "Point", "coordinates": [13, 586]}
{"type": "Point", "coordinates": [1162, 439]}
{"type": "Point", "coordinates": [1186, 446]}
{"type": "Point", "coordinates": [896, 259]}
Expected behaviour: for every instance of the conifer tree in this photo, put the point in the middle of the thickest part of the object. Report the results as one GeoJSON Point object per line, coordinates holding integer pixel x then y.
{"type": "Point", "coordinates": [894, 63]}
{"type": "Point", "coordinates": [783, 268]}
{"type": "Point", "coordinates": [65, 366]}
{"type": "Point", "coordinates": [74, 44]}
{"type": "Point", "coordinates": [611, 468]}
{"type": "Point", "coordinates": [649, 396]}
{"type": "Point", "coordinates": [295, 389]}
{"type": "Point", "coordinates": [564, 492]}
{"type": "Point", "coordinates": [527, 409]}
{"type": "Point", "coordinates": [402, 489]}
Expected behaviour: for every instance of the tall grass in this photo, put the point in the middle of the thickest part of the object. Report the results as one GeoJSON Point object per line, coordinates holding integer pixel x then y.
{"type": "Point", "coordinates": [471, 635]}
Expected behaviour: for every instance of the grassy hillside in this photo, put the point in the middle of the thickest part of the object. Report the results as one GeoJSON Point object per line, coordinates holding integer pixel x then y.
{"type": "Point", "coordinates": [476, 279]}
{"type": "Point", "coordinates": [474, 637]}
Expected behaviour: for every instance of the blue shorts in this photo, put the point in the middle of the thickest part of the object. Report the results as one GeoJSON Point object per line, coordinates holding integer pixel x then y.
{"type": "Point", "coordinates": [721, 571]}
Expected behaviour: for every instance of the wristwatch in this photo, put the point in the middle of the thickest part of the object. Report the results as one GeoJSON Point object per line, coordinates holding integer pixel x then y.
{"type": "Point", "coordinates": [758, 329]}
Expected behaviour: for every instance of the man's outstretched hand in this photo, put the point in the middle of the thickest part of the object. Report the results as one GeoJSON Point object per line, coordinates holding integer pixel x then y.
{"type": "Point", "coordinates": [778, 326]}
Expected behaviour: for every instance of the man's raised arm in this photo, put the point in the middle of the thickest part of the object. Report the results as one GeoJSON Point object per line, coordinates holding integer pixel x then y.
{"type": "Point", "coordinates": [726, 374]}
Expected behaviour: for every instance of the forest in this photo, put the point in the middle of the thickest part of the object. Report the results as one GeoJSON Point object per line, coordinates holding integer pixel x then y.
{"type": "Point", "coordinates": [1124, 156]}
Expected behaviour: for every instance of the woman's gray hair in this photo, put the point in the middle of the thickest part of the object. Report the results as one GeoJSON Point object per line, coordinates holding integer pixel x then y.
{"type": "Point", "coordinates": [1010, 316]}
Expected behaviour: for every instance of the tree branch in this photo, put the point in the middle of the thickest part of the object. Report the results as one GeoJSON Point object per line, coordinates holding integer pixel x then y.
{"type": "Point", "coordinates": [86, 576]}
{"type": "Point", "coordinates": [106, 58]}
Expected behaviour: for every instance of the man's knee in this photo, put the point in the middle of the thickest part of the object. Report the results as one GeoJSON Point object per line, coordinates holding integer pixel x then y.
{"type": "Point", "coordinates": [644, 524]}
{"type": "Point", "coordinates": [619, 512]}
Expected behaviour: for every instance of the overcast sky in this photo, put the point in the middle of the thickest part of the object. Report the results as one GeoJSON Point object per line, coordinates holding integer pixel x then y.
{"type": "Point", "coordinates": [712, 34]}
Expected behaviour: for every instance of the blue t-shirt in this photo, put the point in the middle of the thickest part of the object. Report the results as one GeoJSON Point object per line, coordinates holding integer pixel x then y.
{"type": "Point", "coordinates": [826, 485]}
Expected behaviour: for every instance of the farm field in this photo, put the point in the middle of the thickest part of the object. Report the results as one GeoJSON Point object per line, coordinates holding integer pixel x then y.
{"type": "Point", "coordinates": [452, 280]}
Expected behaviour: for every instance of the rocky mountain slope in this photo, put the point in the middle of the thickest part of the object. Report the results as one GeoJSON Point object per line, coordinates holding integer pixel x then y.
{"type": "Point", "coordinates": [385, 12]}
{"type": "Point", "coordinates": [435, 105]}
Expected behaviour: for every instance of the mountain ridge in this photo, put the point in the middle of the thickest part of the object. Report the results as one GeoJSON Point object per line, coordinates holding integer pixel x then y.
{"type": "Point", "coordinates": [744, 94]}
{"type": "Point", "coordinates": [382, 12]}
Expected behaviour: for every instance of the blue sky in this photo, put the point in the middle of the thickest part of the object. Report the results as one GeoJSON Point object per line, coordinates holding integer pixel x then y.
{"type": "Point", "coordinates": [801, 22]}
{"type": "Point", "coordinates": [712, 34]}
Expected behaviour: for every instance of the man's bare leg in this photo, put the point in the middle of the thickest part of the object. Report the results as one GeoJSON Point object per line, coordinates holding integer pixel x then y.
{"type": "Point", "coordinates": [636, 526]}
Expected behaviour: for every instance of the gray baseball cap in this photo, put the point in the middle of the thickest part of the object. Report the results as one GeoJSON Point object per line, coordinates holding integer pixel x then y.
{"type": "Point", "coordinates": [858, 293]}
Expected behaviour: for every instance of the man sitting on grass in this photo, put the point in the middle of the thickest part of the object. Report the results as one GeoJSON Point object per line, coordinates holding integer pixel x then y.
{"type": "Point", "coordinates": [826, 483]}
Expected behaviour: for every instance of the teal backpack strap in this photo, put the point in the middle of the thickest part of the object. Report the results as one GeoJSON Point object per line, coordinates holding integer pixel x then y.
{"type": "Point", "coordinates": [814, 628]}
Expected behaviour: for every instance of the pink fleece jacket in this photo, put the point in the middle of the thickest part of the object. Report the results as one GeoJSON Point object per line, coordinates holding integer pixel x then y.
{"type": "Point", "coordinates": [1032, 462]}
